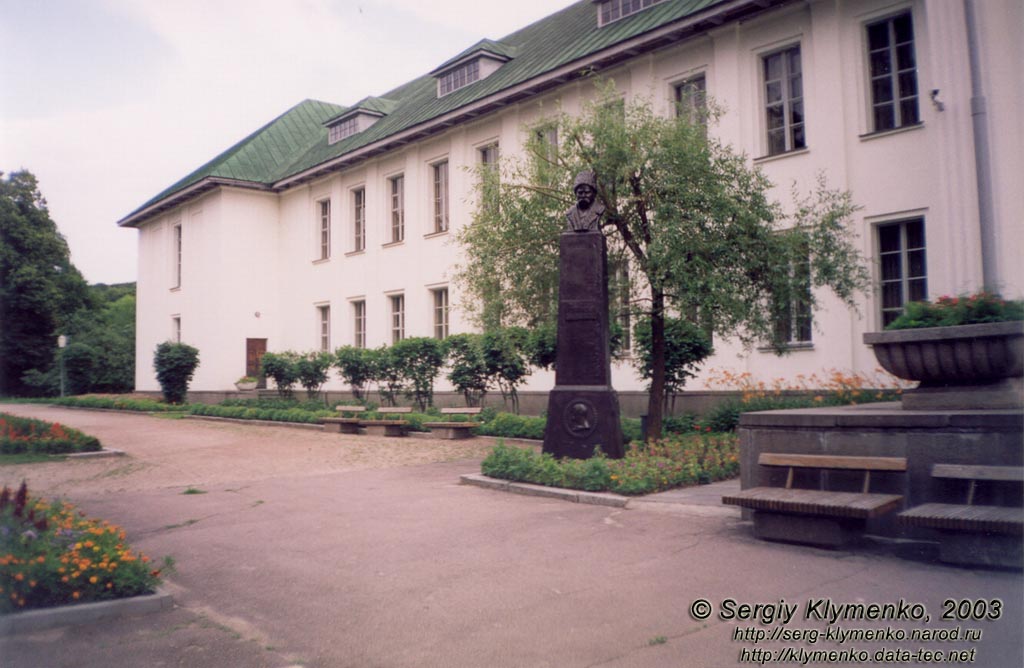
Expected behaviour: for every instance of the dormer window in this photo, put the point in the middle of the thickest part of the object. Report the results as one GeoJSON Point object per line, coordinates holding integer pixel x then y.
{"type": "Point", "coordinates": [459, 77]}
{"type": "Point", "coordinates": [359, 117]}
{"type": "Point", "coordinates": [609, 11]}
{"type": "Point", "coordinates": [346, 128]}
{"type": "Point", "coordinates": [477, 62]}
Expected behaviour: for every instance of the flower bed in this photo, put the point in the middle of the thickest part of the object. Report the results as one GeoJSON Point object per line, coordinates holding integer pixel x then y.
{"type": "Point", "coordinates": [52, 554]}
{"type": "Point", "coordinates": [948, 311]}
{"type": "Point", "coordinates": [20, 435]}
{"type": "Point", "coordinates": [673, 461]}
{"type": "Point", "coordinates": [117, 403]}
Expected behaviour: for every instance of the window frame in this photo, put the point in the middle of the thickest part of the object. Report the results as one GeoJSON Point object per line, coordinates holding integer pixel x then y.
{"type": "Point", "coordinates": [324, 326]}
{"type": "Point", "coordinates": [786, 100]}
{"type": "Point", "coordinates": [396, 205]}
{"type": "Point", "coordinates": [176, 328]}
{"type": "Point", "coordinates": [610, 11]}
{"type": "Point", "coordinates": [685, 101]}
{"type": "Point", "coordinates": [441, 310]}
{"type": "Point", "coordinates": [358, 323]}
{"type": "Point", "coordinates": [458, 77]}
{"type": "Point", "coordinates": [440, 196]}
{"type": "Point", "coordinates": [396, 303]}
{"type": "Point", "coordinates": [177, 255]}
{"type": "Point", "coordinates": [907, 291]}
{"type": "Point", "coordinates": [324, 228]}
{"type": "Point", "coordinates": [893, 77]}
{"type": "Point", "coordinates": [797, 321]}
{"type": "Point", "coordinates": [358, 219]}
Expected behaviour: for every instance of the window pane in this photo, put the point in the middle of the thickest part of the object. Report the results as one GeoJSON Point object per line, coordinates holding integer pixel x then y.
{"type": "Point", "coordinates": [773, 67]}
{"type": "Point", "coordinates": [880, 63]}
{"type": "Point", "coordinates": [878, 35]}
{"type": "Point", "coordinates": [905, 56]}
{"type": "Point", "coordinates": [892, 267]}
{"type": "Point", "coordinates": [889, 238]}
{"type": "Point", "coordinates": [773, 92]}
{"type": "Point", "coordinates": [798, 137]}
{"type": "Point", "coordinates": [793, 59]}
{"type": "Point", "coordinates": [892, 296]}
{"type": "Point", "coordinates": [908, 111]}
{"type": "Point", "coordinates": [881, 90]}
{"type": "Point", "coordinates": [796, 113]}
{"type": "Point", "coordinates": [904, 28]}
{"type": "Point", "coordinates": [885, 118]}
{"type": "Point", "coordinates": [775, 119]}
{"type": "Point", "coordinates": [908, 84]}
{"type": "Point", "coordinates": [918, 290]}
{"type": "Point", "coordinates": [776, 141]}
{"type": "Point", "coordinates": [796, 87]}
{"type": "Point", "coordinates": [915, 233]}
{"type": "Point", "coordinates": [916, 262]}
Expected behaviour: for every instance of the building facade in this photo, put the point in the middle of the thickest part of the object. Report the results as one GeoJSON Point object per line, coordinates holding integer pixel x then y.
{"type": "Point", "coordinates": [336, 225]}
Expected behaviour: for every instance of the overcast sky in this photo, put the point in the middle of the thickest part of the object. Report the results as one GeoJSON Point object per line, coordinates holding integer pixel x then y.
{"type": "Point", "coordinates": [108, 102]}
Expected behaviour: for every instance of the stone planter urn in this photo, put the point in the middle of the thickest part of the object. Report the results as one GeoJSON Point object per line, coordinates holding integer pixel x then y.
{"type": "Point", "coordinates": [961, 367]}
{"type": "Point", "coordinates": [246, 385]}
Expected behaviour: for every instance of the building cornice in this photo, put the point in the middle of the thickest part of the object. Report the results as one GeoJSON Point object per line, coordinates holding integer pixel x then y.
{"type": "Point", "coordinates": [191, 192]}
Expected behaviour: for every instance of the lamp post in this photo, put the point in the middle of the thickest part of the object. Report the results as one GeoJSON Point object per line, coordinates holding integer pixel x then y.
{"type": "Point", "coordinates": [62, 342]}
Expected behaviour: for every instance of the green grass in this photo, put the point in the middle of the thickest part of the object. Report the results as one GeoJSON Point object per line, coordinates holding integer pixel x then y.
{"type": "Point", "coordinates": [30, 458]}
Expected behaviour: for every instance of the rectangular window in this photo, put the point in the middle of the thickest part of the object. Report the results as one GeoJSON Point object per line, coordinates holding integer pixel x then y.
{"type": "Point", "coordinates": [177, 256]}
{"type": "Point", "coordinates": [903, 266]}
{"type": "Point", "coordinates": [346, 128]}
{"type": "Point", "coordinates": [359, 322]}
{"type": "Point", "coordinates": [324, 319]}
{"type": "Point", "coordinates": [441, 196]}
{"type": "Point", "coordinates": [489, 175]}
{"type": "Point", "coordinates": [440, 313]}
{"type": "Point", "coordinates": [359, 219]}
{"type": "Point", "coordinates": [691, 99]}
{"type": "Point", "coordinates": [613, 10]}
{"type": "Point", "coordinates": [325, 229]}
{"type": "Point", "coordinates": [397, 188]}
{"type": "Point", "coordinates": [463, 75]}
{"type": "Point", "coordinates": [893, 72]}
{"type": "Point", "coordinates": [176, 329]}
{"type": "Point", "coordinates": [792, 313]}
{"type": "Point", "coordinates": [397, 318]}
{"type": "Point", "coordinates": [784, 101]}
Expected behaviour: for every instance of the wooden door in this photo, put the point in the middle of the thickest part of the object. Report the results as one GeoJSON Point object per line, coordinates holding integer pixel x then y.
{"type": "Point", "coordinates": [254, 351]}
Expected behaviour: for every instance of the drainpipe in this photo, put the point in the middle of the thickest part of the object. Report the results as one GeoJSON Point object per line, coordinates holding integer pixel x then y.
{"type": "Point", "coordinates": [982, 156]}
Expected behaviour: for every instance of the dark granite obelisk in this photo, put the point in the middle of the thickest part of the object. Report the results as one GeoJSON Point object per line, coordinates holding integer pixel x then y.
{"type": "Point", "coordinates": [583, 409]}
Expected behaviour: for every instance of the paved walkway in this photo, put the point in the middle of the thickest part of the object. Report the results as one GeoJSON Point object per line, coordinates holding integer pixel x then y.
{"type": "Point", "coordinates": [295, 557]}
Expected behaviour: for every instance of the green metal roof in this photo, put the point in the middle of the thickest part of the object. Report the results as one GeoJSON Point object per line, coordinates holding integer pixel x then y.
{"type": "Point", "coordinates": [296, 141]}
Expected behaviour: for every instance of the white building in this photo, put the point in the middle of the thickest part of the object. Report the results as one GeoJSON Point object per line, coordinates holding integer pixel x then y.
{"type": "Point", "coordinates": [334, 225]}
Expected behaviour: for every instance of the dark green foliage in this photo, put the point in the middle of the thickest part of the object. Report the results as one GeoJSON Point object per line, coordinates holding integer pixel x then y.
{"type": "Point", "coordinates": [963, 310]}
{"type": "Point", "coordinates": [726, 415]}
{"type": "Point", "coordinates": [420, 360]}
{"type": "Point", "coordinates": [313, 370]}
{"type": "Point", "coordinates": [513, 426]}
{"type": "Point", "coordinates": [468, 369]}
{"type": "Point", "coordinates": [504, 353]}
{"type": "Point", "coordinates": [686, 346]}
{"type": "Point", "coordinates": [298, 415]}
{"type": "Point", "coordinates": [117, 403]}
{"type": "Point", "coordinates": [39, 287]}
{"type": "Point", "coordinates": [283, 369]}
{"type": "Point", "coordinates": [542, 345]}
{"type": "Point", "coordinates": [79, 367]}
{"type": "Point", "coordinates": [355, 367]}
{"type": "Point", "coordinates": [387, 373]}
{"type": "Point", "coordinates": [20, 435]}
{"type": "Point", "coordinates": [663, 464]}
{"type": "Point", "coordinates": [175, 363]}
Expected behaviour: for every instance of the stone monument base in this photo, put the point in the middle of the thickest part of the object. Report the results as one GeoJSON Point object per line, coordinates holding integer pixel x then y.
{"type": "Point", "coordinates": [582, 419]}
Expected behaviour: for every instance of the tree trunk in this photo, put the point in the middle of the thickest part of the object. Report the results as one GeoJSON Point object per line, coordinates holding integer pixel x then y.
{"type": "Point", "coordinates": [656, 401]}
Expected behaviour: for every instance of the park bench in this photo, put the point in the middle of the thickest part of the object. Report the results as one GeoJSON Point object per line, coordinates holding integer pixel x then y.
{"type": "Point", "coordinates": [454, 430]}
{"type": "Point", "coordinates": [818, 516]}
{"type": "Point", "coordinates": [970, 533]}
{"type": "Point", "coordinates": [387, 427]}
{"type": "Point", "coordinates": [344, 424]}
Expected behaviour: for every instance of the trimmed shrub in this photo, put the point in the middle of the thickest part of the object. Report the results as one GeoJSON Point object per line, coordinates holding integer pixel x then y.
{"type": "Point", "coordinates": [509, 425]}
{"type": "Point", "coordinates": [117, 403]}
{"type": "Point", "coordinates": [312, 370]}
{"type": "Point", "coordinates": [355, 367]}
{"type": "Point", "coordinates": [283, 368]}
{"type": "Point", "coordinates": [175, 363]}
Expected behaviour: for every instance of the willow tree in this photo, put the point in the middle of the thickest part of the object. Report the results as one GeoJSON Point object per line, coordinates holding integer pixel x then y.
{"type": "Point", "coordinates": [689, 217]}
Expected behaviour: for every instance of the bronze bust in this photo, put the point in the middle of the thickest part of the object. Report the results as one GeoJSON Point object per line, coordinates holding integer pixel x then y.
{"type": "Point", "coordinates": [585, 216]}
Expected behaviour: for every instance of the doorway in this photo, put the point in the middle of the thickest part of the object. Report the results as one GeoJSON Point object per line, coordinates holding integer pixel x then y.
{"type": "Point", "coordinates": [254, 351]}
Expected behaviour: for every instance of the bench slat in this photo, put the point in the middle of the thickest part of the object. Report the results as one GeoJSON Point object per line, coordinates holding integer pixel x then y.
{"type": "Point", "coordinates": [350, 409]}
{"type": "Point", "coordinates": [461, 411]}
{"type": "Point", "coordinates": [815, 502]}
{"type": "Point", "coordinates": [956, 517]}
{"type": "Point", "coordinates": [833, 462]}
{"type": "Point", "coordinates": [977, 472]}
{"type": "Point", "coordinates": [395, 409]}
{"type": "Point", "coordinates": [451, 425]}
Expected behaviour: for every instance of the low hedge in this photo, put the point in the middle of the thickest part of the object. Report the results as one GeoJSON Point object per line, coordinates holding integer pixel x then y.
{"type": "Point", "coordinates": [669, 462]}
{"type": "Point", "coordinates": [20, 435]}
{"type": "Point", "coordinates": [270, 414]}
{"type": "Point", "coordinates": [117, 403]}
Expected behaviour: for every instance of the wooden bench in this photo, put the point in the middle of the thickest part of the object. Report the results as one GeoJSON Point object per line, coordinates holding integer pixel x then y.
{"type": "Point", "coordinates": [387, 427]}
{"type": "Point", "coordinates": [971, 533]}
{"type": "Point", "coordinates": [454, 430]}
{"type": "Point", "coordinates": [818, 516]}
{"type": "Point", "coordinates": [344, 425]}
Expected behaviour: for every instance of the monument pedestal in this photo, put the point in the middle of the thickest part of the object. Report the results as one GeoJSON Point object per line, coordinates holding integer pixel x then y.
{"type": "Point", "coordinates": [583, 409]}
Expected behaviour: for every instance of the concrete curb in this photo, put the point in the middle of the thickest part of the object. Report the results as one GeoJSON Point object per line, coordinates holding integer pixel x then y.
{"type": "Point", "coordinates": [100, 454]}
{"type": "Point", "coordinates": [573, 495]}
{"type": "Point", "coordinates": [83, 613]}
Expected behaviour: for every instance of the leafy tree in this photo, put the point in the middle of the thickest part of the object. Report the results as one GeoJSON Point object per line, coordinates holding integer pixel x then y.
{"type": "Point", "coordinates": [686, 346]}
{"type": "Point", "coordinates": [420, 359]}
{"type": "Point", "coordinates": [355, 367]}
{"type": "Point", "coordinates": [39, 287]}
{"type": "Point", "coordinates": [312, 371]}
{"type": "Point", "coordinates": [79, 367]}
{"type": "Point", "coordinates": [387, 373]}
{"type": "Point", "coordinates": [175, 363]}
{"type": "Point", "coordinates": [690, 217]}
{"type": "Point", "coordinates": [504, 353]}
{"type": "Point", "coordinates": [283, 368]}
{"type": "Point", "coordinates": [467, 369]}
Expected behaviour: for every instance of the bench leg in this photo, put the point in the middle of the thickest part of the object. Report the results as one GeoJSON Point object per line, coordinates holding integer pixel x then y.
{"type": "Point", "coordinates": [981, 549]}
{"type": "Point", "coordinates": [450, 433]}
{"type": "Point", "coordinates": [385, 430]}
{"type": "Point", "coordinates": [806, 529]}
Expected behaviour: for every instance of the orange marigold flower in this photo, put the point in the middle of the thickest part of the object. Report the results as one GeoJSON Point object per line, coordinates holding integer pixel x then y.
{"type": "Point", "coordinates": [19, 577]}
{"type": "Point", "coordinates": [76, 595]}
{"type": "Point", "coordinates": [94, 579]}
